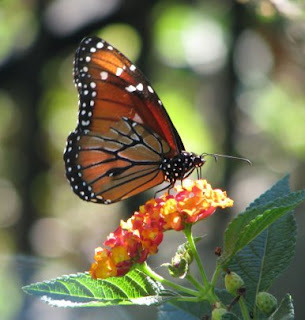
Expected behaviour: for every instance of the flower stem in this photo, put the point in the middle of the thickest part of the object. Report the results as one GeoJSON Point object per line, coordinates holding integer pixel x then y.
{"type": "Point", "coordinates": [243, 309]}
{"type": "Point", "coordinates": [215, 276]}
{"type": "Point", "coordinates": [190, 239]}
{"type": "Point", "coordinates": [194, 282]}
{"type": "Point", "coordinates": [171, 284]}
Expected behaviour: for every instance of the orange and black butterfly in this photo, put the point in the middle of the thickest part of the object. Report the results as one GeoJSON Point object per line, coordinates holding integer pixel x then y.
{"type": "Point", "coordinates": [124, 142]}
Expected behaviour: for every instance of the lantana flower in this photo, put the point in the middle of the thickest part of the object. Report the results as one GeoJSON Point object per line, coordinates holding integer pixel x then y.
{"type": "Point", "coordinates": [140, 235]}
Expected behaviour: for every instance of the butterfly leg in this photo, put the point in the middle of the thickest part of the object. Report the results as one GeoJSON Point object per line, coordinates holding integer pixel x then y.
{"type": "Point", "coordinates": [168, 188]}
{"type": "Point", "coordinates": [199, 173]}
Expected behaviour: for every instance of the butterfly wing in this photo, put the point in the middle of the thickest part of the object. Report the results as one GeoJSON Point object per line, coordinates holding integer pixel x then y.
{"type": "Point", "coordinates": [123, 130]}
{"type": "Point", "coordinates": [111, 87]}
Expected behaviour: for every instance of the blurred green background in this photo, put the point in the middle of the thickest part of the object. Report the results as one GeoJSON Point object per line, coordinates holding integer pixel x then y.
{"type": "Point", "coordinates": [231, 75]}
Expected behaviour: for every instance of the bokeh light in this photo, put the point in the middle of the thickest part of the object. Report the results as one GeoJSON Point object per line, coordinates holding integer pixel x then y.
{"type": "Point", "coordinates": [231, 76]}
{"type": "Point", "coordinates": [64, 17]}
{"type": "Point", "coordinates": [186, 36]}
{"type": "Point", "coordinates": [124, 37]}
{"type": "Point", "coordinates": [253, 58]}
{"type": "Point", "coordinates": [16, 16]}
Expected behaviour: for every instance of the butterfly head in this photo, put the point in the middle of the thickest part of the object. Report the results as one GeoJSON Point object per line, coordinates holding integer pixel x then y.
{"type": "Point", "coordinates": [181, 166]}
{"type": "Point", "coordinates": [198, 161]}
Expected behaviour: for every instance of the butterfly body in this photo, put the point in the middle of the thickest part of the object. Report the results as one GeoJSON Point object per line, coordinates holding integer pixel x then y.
{"type": "Point", "coordinates": [124, 142]}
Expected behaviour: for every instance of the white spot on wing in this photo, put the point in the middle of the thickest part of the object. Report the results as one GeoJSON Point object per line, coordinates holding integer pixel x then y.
{"type": "Point", "coordinates": [119, 71]}
{"type": "Point", "coordinates": [131, 88]}
{"type": "Point", "coordinates": [140, 86]}
{"type": "Point", "coordinates": [100, 45]}
{"type": "Point", "coordinates": [150, 89]}
{"type": "Point", "coordinates": [132, 67]}
{"type": "Point", "coordinates": [104, 75]}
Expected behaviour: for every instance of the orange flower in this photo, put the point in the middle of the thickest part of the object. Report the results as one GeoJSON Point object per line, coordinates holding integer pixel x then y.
{"type": "Point", "coordinates": [141, 234]}
{"type": "Point", "coordinates": [104, 266]}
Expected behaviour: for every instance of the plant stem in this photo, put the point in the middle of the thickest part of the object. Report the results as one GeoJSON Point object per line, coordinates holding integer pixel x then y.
{"type": "Point", "coordinates": [190, 239]}
{"type": "Point", "coordinates": [208, 292]}
{"type": "Point", "coordinates": [215, 276]}
{"type": "Point", "coordinates": [243, 309]}
{"type": "Point", "coordinates": [171, 284]}
{"type": "Point", "coordinates": [194, 282]}
{"type": "Point", "coordinates": [189, 299]}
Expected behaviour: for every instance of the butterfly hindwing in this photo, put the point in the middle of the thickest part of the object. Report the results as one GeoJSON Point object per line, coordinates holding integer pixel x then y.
{"type": "Point", "coordinates": [116, 165]}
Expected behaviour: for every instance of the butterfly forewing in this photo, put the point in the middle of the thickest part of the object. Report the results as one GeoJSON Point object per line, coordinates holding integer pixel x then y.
{"type": "Point", "coordinates": [111, 87]}
{"type": "Point", "coordinates": [123, 131]}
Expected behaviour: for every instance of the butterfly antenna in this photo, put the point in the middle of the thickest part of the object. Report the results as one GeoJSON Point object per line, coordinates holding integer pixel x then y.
{"type": "Point", "coordinates": [216, 156]}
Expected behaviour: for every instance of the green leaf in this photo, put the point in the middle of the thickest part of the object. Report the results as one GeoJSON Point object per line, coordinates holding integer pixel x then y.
{"type": "Point", "coordinates": [81, 290]}
{"type": "Point", "coordinates": [266, 257]}
{"type": "Point", "coordinates": [285, 310]}
{"type": "Point", "coordinates": [181, 310]}
{"type": "Point", "coordinates": [177, 310]}
{"type": "Point", "coordinates": [248, 225]}
{"type": "Point", "coordinates": [280, 189]}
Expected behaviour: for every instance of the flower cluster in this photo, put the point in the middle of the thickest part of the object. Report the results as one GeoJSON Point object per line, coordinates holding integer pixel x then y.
{"type": "Point", "coordinates": [141, 234]}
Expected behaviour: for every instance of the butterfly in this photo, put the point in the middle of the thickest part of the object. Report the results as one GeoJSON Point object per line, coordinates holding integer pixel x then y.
{"type": "Point", "coordinates": [124, 142]}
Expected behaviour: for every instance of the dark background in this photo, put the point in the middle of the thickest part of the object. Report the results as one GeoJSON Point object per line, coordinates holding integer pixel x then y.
{"type": "Point", "coordinates": [231, 75]}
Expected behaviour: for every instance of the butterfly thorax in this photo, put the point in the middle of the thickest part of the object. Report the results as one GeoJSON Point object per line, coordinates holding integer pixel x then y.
{"type": "Point", "coordinates": [180, 166]}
